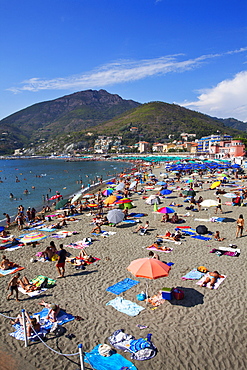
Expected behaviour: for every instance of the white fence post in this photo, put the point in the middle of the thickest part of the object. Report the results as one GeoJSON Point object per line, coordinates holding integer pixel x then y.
{"type": "Point", "coordinates": [24, 327]}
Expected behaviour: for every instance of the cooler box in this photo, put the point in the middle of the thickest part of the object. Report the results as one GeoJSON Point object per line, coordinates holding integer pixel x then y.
{"type": "Point", "coordinates": [178, 294]}
{"type": "Point", "coordinates": [166, 293]}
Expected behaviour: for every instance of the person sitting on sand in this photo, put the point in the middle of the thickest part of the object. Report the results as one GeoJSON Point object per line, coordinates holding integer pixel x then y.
{"type": "Point", "coordinates": [4, 234]}
{"type": "Point", "coordinates": [54, 310]}
{"type": "Point", "coordinates": [212, 278]}
{"type": "Point", "coordinates": [153, 255]}
{"type": "Point", "coordinates": [96, 229]}
{"type": "Point", "coordinates": [6, 264]}
{"type": "Point", "coordinates": [175, 219]}
{"type": "Point", "coordinates": [32, 324]}
{"type": "Point", "coordinates": [140, 227]}
{"type": "Point", "coordinates": [165, 218]}
{"type": "Point", "coordinates": [50, 251]}
{"type": "Point", "coordinates": [217, 236]}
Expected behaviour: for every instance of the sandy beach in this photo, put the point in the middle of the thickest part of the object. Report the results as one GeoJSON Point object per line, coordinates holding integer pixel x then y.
{"type": "Point", "coordinates": [204, 330]}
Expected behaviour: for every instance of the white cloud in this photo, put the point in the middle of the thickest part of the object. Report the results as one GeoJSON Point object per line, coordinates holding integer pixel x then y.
{"type": "Point", "coordinates": [227, 99]}
{"type": "Point", "coordinates": [118, 72]}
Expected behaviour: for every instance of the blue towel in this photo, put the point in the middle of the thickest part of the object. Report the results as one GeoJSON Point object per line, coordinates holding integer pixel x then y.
{"type": "Point", "coordinates": [138, 344]}
{"type": "Point", "coordinates": [125, 306]}
{"type": "Point", "coordinates": [122, 286]}
{"type": "Point", "coordinates": [136, 215]}
{"type": "Point", "coordinates": [129, 221]}
{"type": "Point", "coordinates": [193, 275]}
{"type": "Point", "coordinates": [62, 318]}
{"type": "Point", "coordinates": [115, 361]}
{"type": "Point", "coordinates": [201, 237]}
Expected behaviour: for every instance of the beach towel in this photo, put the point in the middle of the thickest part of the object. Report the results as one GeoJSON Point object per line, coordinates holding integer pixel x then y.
{"type": "Point", "coordinates": [13, 270]}
{"type": "Point", "coordinates": [217, 219]}
{"type": "Point", "coordinates": [46, 229]}
{"type": "Point", "coordinates": [19, 333]}
{"type": "Point", "coordinates": [122, 286]}
{"type": "Point", "coordinates": [76, 246]}
{"type": "Point", "coordinates": [32, 294]}
{"type": "Point", "coordinates": [137, 215]}
{"type": "Point", "coordinates": [40, 279]}
{"type": "Point", "coordinates": [129, 221]}
{"type": "Point", "coordinates": [232, 252]}
{"type": "Point", "coordinates": [125, 306]}
{"type": "Point", "coordinates": [87, 262]}
{"type": "Point", "coordinates": [114, 361]}
{"type": "Point", "coordinates": [194, 274]}
{"type": "Point", "coordinates": [216, 285]}
{"type": "Point", "coordinates": [201, 237]}
{"type": "Point", "coordinates": [14, 247]}
{"type": "Point", "coordinates": [152, 248]}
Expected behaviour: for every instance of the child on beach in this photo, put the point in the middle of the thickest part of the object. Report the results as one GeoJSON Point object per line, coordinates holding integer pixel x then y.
{"type": "Point", "coordinates": [217, 236]}
{"type": "Point", "coordinates": [13, 286]}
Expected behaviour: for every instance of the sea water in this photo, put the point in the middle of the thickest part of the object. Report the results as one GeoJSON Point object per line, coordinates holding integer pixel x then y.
{"type": "Point", "coordinates": [32, 181]}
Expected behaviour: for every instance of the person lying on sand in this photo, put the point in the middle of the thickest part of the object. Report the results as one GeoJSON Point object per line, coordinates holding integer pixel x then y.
{"type": "Point", "coordinates": [214, 276]}
{"type": "Point", "coordinates": [140, 227]}
{"type": "Point", "coordinates": [6, 264]}
{"type": "Point", "coordinates": [54, 310]}
{"type": "Point", "coordinates": [160, 247]}
{"type": "Point", "coordinates": [176, 236]}
{"type": "Point", "coordinates": [217, 236]}
{"type": "Point", "coordinates": [25, 284]}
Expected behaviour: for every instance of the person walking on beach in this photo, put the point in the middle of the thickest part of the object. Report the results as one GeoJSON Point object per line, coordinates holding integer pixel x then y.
{"type": "Point", "coordinates": [240, 226]}
{"type": "Point", "coordinates": [60, 265]}
{"type": "Point", "coordinates": [7, 219]}
{"type": "Point", "coordinates": [13, 286]}
{"type": "Point", "coordinates": [218, 206]}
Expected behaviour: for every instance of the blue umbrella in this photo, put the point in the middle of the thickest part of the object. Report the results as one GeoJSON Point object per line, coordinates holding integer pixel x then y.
{"type": "Point", "coordinates": [165, 192]}
{"type": "Point", "coordinates": [161, 183]}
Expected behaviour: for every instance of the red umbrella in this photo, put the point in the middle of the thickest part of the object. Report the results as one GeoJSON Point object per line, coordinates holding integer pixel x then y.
{"type": "Point", "coordinates": [123, 201]}
{"type": "Point", "coordinates": [149, 268]}
{"type": "Point", "coordinates": [55, 196]}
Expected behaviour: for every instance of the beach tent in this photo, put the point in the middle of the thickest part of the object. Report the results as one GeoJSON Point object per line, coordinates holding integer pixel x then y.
{"type": "Point", "coordinates": [153, 199]}
{"type": "Point", "coordinates": [149, 268]}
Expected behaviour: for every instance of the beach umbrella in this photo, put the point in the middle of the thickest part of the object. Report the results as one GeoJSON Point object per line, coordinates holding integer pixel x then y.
{"type": "Point", "coordinates": [132, 185]}
{"type": "Point", "coordinates": [123, 201]}
{"type": "Point", "coordinates": [110, 183]}
{"type": "Point", "coordinates": [230, 195]}
{"type": "Point", "coordinates": [107, 192]}
{"type": "Point", "coordinates": [165, 210]}
{"type": "Point", "coordinates": [165, 192]}
{"type": "Point", "coordinates": [201, 229]}
{"type": "Point", "coordinates": [111, 199]}
{"type": "Point", "coordinates": [161, 183]}
{"type": "Point", "coordinates": [149, 268]}
{"type": "Point", "coordinates": [32, 237]}
{"type": "Point", "coordinates": [120, 186]}
{"type": "Point", "coordinates": [209, 203]}
{"type": "Point", "coordinates": [151, 175]}
{"type": "Point", "coordinates": [57, 196]}
{"type": "Point", "coordinates": [189, 193]}
{"type": "Point", "coordinates": [76, 197]}
{"type": "Point", "coordinates": [61, 203]}
{"type": "Point", "coordinates": [115, 216]}
{"type": "Point", "coordinates": [92, 205]}
{"type": "Point", "coordinates": [215, 184]}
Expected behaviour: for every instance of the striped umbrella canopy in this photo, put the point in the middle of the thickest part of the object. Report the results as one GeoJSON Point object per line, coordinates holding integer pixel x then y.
{"type": "Point", "coordinates": [32, 237]}
{"type": "Point", "coordinates": [107, 192]}
{"type": "Point", "coordinates": [55, 197]}
{"type": "Point", "coordinates": [123, 201]}
{"type": "Point", "coordinates": [165, 210]}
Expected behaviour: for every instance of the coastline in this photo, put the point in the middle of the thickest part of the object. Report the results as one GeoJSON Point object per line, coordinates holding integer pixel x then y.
{"type": "Point", "coordinates": [197, 332]}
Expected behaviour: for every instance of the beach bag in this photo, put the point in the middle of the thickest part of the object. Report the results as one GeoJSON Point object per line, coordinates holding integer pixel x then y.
{"type": "Point", "coordinates": [178, 294]}
{"type": "Point", "coordinates": [202, 269]}
{"type": "Point", "coordinates": [141, 297]}
{"type": "Point", "coordinates": [57, 330]}
{"type": "Point", "coordinates": [105, 350]}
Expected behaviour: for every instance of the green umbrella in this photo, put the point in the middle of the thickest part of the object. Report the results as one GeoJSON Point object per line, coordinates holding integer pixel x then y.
{"type": "Point", "coordinates": [61, 203]}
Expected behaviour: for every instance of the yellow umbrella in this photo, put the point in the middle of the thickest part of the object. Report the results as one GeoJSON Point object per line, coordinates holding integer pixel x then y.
{"type": "Point", "coordinates": [111, 199]}
{"type": "Point", "coordinates": [215, 184]}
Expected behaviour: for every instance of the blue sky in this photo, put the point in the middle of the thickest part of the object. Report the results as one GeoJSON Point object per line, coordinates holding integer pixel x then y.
{"type": "Point", "coordinates": [192, 53]}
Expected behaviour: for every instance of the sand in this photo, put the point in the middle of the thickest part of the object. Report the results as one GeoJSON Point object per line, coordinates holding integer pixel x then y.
{"type": "Point", "coordinates": [205, 330]}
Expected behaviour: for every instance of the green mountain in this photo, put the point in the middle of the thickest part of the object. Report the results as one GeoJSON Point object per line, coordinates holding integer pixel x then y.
{"type": "Point", "coordinates": [80, 117]}
{"type": "Point", "coordinates": [45, 121]}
